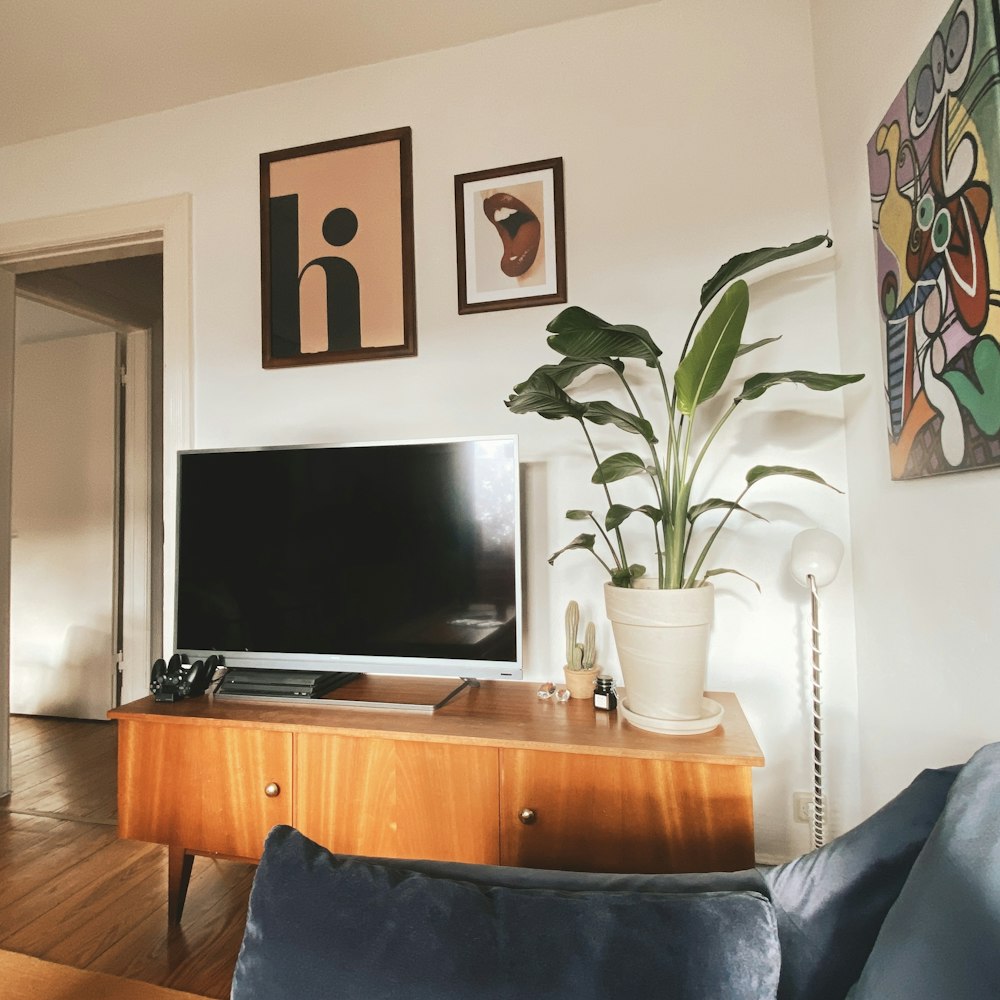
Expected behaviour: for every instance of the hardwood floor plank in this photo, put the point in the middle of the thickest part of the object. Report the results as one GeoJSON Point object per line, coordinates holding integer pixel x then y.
{"type": "Point", "coordinates": [72, 892]}
{"type": "Point", "coordinates": [80, 896]}
{"type": "Point", "coordinates": [55, 856]}
{"type": "Point", "coordinates": [202, 951]}
{"type": "Point", "coordinates": [51, 834]}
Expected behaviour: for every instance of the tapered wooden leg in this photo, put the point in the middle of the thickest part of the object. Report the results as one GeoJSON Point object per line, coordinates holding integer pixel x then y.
{"type": "Point", "coordinates": [178, 876]}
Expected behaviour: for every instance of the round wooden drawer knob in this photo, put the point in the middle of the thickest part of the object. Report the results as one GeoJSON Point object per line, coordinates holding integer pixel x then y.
{"type": "Point", "coordinates": [527, 816]}
{"type": "Point", "coordinates": [273, 790]}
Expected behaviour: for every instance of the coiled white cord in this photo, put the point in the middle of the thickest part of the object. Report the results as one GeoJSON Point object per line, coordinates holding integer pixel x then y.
{"type": "Point", "coordinates": [819, 809]}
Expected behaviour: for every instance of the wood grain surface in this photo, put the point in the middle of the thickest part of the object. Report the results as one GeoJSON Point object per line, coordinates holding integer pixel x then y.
{"type": "Point", "coordinates": [627, 815]}
{"type": "Point", "coordinates": [27, 978]}
{"type": "Point", "coordinates": [203, 788]}
{"type": "Point", "coordinates": [73, 893]}
{"type": "Point", "coordinates": [393, 798]}
{"type": "Point", "coordinates": [498, 713]}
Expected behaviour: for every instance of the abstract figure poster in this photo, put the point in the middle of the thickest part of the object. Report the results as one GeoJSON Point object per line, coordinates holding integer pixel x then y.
{"type": "Point", "coordinates": [931, 164]}
{"type": "Point", "coordinates": [337, 275]}
{"type": "Point", "coordinates": [510, 237]}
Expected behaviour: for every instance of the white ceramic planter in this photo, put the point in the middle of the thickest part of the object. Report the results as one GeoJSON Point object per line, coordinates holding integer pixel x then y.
{"type": "Point", "coordinates": [662, 641]}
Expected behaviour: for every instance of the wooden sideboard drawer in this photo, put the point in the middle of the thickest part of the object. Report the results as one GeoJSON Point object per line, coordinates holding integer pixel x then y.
{"type": "Point", "coordinates": [216, 789]}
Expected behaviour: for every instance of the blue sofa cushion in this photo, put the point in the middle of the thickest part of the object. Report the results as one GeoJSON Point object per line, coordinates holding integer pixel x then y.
{"type": "Point", "coordinates": [322, 925]}
{"type": "Point", "coordinates": [748, 880]}
{"type": "Point", "coordinates": [942, 936]}
{"type": "Point", "coordinates": [831, 903]}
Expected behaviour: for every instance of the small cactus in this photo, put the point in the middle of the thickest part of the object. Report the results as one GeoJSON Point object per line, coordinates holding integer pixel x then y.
{"type": "Point", "coordinates": [572, 624]}
{"type": "Point", "coordinates": [579, 655]}
{"type": "Point", "coordinates": [589, 646]}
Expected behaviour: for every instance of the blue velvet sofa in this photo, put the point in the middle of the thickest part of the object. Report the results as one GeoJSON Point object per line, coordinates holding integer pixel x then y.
{"type": "Point", "coordinates": [906, 905]}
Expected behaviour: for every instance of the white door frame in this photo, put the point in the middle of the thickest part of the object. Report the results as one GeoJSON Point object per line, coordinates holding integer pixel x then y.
{"type": "Point", "coordinates": [71, 239]}
{"type": "Point", "coordinates": [135, 532]}
{"type": "Point", "coordinates": [6, 453]}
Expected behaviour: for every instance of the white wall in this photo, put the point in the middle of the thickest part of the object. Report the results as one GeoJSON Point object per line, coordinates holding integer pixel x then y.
{"type": "Point", "coordinates": [925, 550]}
{"type": "Point", "coordinates": [689, 133]}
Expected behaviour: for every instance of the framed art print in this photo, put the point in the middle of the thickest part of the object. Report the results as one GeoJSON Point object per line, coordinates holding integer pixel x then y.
{"type": "Point", "coordinates": [337, 275]}
{"type": "Point", "coordinates": [509, 229]}
{"type": "Point", "coordinates": [932, 163]}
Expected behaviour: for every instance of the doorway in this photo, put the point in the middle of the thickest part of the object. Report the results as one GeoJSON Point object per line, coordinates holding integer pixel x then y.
{"type": "Point", "coordinates": [86, 567]}
{"type": "Point", "coordinates": [77, 239]}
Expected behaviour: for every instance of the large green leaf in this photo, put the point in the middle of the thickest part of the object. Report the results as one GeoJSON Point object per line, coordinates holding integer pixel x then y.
{"type": "Point", "coordinates": [601, 412]}
{"type": "Point", "coordinates": [759, 472]}
{"type": "Point", "coordinates": [747, 348]}
{"type": "Point", "coordinates": [583, 336]}
{"type": "Point", "coordinates": [707, 364]}
{"type": "Point", "coordinates": [605, 343]}
{"type": "Point", "coordinates": [624, 577]}
{"type": "Point", "coordinates": [717, 572]}
{"type": "Point", "coordinates": [541, 395]}
{"type": "Point", "coordinates": [618, 466]}
{"type": "Point", "coordinates": [580, 542]}
{"type": "Point", "coordinates": [743, 263]}
{"type": "Point", "coordinates": [568, 370]}
{"type": "Point", "coordinates": [575, 320]}
{"type": "Point", "coordinates": [757, 385]}
{"type": "Point", "coordinates": [619, 512]}
{"type": "Point", "coordinates": [716, 504]}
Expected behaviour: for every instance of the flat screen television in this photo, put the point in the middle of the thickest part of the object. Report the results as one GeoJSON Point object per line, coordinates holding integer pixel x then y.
{"type": "Point", "coordinates": [395, 558]}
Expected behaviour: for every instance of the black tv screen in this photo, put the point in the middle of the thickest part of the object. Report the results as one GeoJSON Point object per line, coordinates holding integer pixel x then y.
{"type": "Point", "coordinates": [380, 558]}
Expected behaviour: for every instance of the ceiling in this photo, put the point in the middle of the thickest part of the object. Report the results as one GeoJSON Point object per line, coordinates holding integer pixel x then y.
{"type": "Point", "coordinates": [70, 64]}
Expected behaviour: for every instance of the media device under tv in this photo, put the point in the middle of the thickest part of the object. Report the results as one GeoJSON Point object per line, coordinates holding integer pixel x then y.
{"type": "Point", "coordinates": [388, 558]}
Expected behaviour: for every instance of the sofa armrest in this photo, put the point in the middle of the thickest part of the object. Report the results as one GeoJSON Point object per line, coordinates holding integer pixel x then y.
{"type": "Point", "coordinates": [831, 903]}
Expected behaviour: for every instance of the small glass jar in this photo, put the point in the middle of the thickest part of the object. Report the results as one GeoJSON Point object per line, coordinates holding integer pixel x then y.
{"type": "Point", "coordinates": [605, 696]}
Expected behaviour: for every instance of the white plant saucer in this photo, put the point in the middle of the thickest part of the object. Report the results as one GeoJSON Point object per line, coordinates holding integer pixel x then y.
{"type": "Point", "coordinates": [712, 713]}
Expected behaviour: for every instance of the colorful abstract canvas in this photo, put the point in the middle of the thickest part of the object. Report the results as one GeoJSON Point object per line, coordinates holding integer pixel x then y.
{"type": "Point", "coordinates": [931, 163]}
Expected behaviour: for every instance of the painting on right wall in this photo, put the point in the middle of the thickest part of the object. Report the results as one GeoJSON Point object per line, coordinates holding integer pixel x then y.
{"type": "Point", "coordinates": [937, 250]}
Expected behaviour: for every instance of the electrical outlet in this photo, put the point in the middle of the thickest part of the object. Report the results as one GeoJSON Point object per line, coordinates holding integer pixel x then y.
{"type": "Point", "coordinates": [802, 807]}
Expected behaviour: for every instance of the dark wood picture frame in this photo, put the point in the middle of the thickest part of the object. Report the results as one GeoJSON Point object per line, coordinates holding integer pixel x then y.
{"type": "Point", "coordinates": [510, 237]}
{"type": "Point", "coordinates": [336, 246]}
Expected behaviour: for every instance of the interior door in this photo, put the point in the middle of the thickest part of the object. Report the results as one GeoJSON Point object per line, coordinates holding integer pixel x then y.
{"type": "Point", "coordinates": [6, 420]}
{"type": "Point", "coordinates": [62, 641]}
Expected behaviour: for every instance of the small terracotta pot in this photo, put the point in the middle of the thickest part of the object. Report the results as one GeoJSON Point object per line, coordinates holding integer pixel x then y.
{"type": "Point", "coordinates": [580, 683]}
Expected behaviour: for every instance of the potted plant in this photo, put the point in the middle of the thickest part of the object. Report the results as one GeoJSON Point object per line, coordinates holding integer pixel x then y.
{"type": "Point", "coordinates": [661, 614]}
{"type": "Point", "coordinates": [581, 657]}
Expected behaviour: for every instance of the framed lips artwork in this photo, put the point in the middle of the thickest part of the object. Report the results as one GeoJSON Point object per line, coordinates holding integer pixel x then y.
{"type": "Point", "coordinates": [510, 234]}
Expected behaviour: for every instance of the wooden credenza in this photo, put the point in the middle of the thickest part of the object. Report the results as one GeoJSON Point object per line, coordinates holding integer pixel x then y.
{"type": "Point", "coordinates": [495, 777]}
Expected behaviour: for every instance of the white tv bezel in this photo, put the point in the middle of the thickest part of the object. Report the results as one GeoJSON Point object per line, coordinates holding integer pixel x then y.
{"type": "Point", "coordinates": [407, 666]}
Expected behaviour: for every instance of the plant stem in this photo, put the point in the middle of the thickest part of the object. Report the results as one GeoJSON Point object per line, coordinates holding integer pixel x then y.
{"type": "Point", "coordinates": [604, 535]}
{"type": "Point", "coordinates": [607, 492]}
{"type": "Point", "coordinates": [658, 479]}
{"type": "Point", "coordinates": [610, 571]}
{"type": "Point", "coordinates": [689, 582]}
{"type": "Point", "coordinates": [711, 437]}
{"type": "Point", "coordinates": [670, 474]}
{"type": "Point", "coordinates": [715, 534]}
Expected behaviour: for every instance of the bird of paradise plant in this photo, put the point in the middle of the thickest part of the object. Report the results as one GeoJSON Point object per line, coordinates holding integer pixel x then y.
{"type": "Point", "coordinates": [675, 454]}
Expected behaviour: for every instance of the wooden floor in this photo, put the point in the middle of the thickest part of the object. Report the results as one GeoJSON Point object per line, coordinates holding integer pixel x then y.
{"type": "Point", "coordinates": [72, 892]}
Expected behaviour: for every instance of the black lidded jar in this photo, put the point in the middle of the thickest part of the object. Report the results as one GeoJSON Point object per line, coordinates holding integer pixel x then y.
{"type": "Point", "coordinates": [605, 696]}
